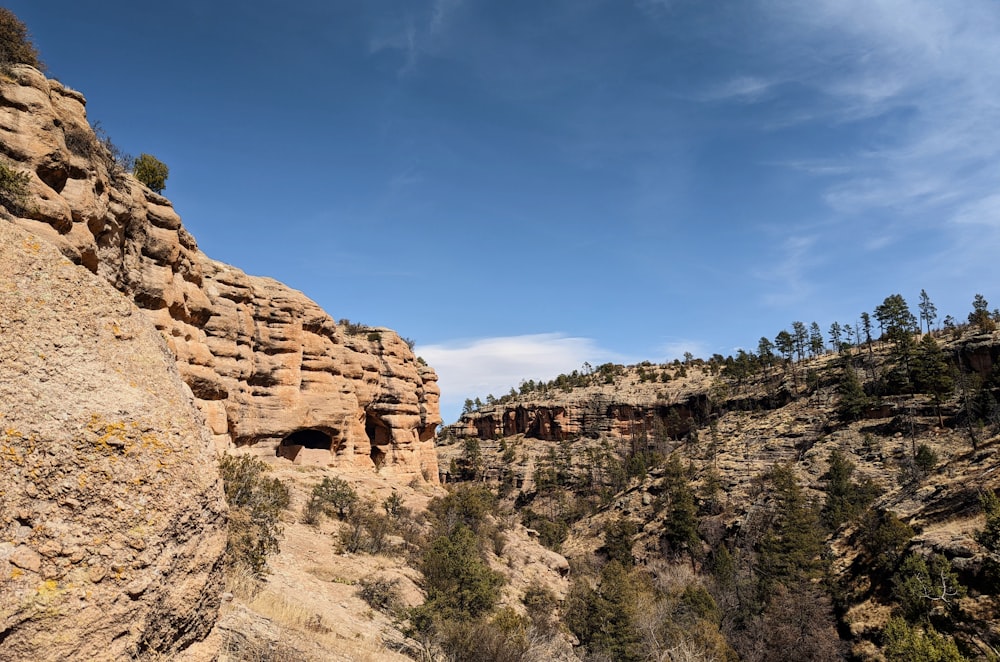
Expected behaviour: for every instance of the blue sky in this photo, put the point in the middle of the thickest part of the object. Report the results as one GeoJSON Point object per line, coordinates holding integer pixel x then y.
{"type": "Point", "coordinates": [524, 186]}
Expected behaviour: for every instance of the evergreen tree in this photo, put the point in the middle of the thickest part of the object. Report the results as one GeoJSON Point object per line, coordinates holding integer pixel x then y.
{"type": "Point", "coordinates": [884, 538]}
{"type": "Point", "coordinates": [896, 319]}
{"type": "Point", "coordinates": [801, 337]}
{"type": "Point", "coordinates": [835, 334]}
{"type": "Point", "coordinates": [151, 171]}
{"type": "Point", "coordinates": [816, 346]}
{"type": "Point", "coordinates": [680, 525]}
{"type": "Point", "coordinates": [785, 344]}
{"type": "Point", "coordinates": [980, 315]}
{"type": "Point", "coordinates": [791, 550]}
{"type": "Point", "coordinates": [765, 351]}
{"type": "Point", "coordinates": [928, 311]}
{"type": "Point", "coordinates": [459, 584]}
{"type": "Point", "coordinates": [845, 499]}
{"type": "Point", "coordinates": [911, 644]}
{"type": "Point", "coordinates": [853, 400]}
{"type": "Point", "coordinates": [603, 618]}
{"type": "Point", "coordinates": [921, 586]}
{"type": "Point", "coordinates": [932, 374]}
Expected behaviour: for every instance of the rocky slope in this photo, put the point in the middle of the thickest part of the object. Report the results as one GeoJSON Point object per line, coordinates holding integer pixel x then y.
{"type": "Point", "coordinates": [112, 522]}
{"type": "Point", "coordinates": [564, 454]}
{"type": "Point", "coordinates": [267, 366]}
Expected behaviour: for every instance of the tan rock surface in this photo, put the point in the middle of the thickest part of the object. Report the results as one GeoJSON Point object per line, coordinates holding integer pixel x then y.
{"type": "Point", "coordinates": [264, 361]}
{"type": "Point", "coordinates": [111, 511]}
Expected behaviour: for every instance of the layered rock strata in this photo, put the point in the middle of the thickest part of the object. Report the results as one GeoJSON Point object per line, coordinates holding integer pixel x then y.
{"type": "Point", "coordinates": [112, 519]}
{"type": "Point", "coordinates": [267, 366]}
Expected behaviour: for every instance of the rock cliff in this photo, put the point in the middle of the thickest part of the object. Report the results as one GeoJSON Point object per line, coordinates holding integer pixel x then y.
{"type": "Point", "coordinates": [267, 366]}
{"type": "Point", "coordinates": [112, 522]}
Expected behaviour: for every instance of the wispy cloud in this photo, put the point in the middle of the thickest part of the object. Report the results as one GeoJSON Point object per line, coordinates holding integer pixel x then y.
{"type": "Point", "coordinates": [415, 34]}
{"type": "Point", "coordinates": [746, 89]}
{"type": "Point", "coordinates": [787, 273]}
{"type": "Point", "coordinates": [921, 69]}
{"type": "Point", "coordinates": [475, 368]}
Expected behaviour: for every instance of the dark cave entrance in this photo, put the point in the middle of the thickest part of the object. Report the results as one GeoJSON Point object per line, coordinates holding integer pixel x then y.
{"type": "Point", "coordinates": [379, 436]}
{"type": "Point", "coordinates": [309, 439]}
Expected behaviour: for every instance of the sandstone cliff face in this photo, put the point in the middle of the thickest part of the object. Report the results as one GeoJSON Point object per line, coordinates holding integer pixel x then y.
{"type": "Point", "coordinates": [592, 412]}
{"type": "Point", "coordinates": [267, 366]}
{"type": "Point", "coordinates": [112, 522]}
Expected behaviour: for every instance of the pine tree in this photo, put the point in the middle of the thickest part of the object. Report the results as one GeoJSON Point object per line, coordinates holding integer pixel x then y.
{"type": "Point", "coordinates": [853, 399]}
{"type": "Point", "coordinates": [801, 338]}
{"type": "Point", "coordinates": [845, 499]}
{"type": "Point", "coordinates": [680, 525]}
{"type": "Point", "coordinates": [932, 374]}
{"type": "Point", "coordinates": [928, 311]}
{"type": "Point", "coordinates": [835, 334]}
{"type": "Point", "coordinates": [980, 315]}
{"type": "Point", "coordinates": [816, 346]}
{"type": "Point", "coordinates": [791, 550]}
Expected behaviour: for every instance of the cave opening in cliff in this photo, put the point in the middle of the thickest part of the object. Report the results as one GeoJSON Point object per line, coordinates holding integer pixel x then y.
{"type": "Point", "coordinates": [379, 436]}
{"type": "Point", "coordinates": [307, 440]}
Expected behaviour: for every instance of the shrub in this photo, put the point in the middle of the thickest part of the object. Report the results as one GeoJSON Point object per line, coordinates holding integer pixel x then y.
{"type": "Point", "coordinates": [925, 459]}
{"type": "Point", "coordinates": [502, 638]}
{"type": "Point", "coordinates": [459, 583]}
{"type": "Point", "coordinates": [13, 189]}
{"type": "Point", "coordinates": [118, 161]}
{"type": "Point", "coordinates": [468, 504]}
{"type": "Point", "coordinates": [151, 171]}
{"type": "Point", "coordinates": [618, 536]}
{"type": "Point", "coordinates": [922, 586]}
{"type": "Point", "coordinates": [884, 538]}
{"type": "Point", "coordinates": [333, 494]}
{"type": "Point", "coordinates": [15, 45]}
{"type": "Point", "coordinates": [255, 504]}
{"type": "Point", "coordinates": [366, 530]}
{"type": "Point", "coordinates": [906, 644]}
{"type": "Point", "coordinates": [381, 594]}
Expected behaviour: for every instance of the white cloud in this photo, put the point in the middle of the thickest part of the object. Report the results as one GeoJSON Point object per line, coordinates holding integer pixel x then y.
{"type": "Point", "coordinates": [476, 368]}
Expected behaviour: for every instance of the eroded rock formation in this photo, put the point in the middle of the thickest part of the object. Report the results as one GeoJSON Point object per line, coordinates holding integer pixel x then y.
{"type": "Point", "coordinates": [267, 366]}
{"type": "Point", "coordinates": [112, 522]}
{"type": "Point", "coordinates": [589, 415]}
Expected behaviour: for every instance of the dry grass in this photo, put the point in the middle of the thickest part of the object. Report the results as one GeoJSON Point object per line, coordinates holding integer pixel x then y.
{"type": "Point", "coordinates": [290, 616]}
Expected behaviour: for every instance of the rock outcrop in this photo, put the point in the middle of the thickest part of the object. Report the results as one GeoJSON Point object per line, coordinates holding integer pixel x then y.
{"type": "Point", "coordinates": [267, 366]}
{"type": "Point", "coordinates": [112, 519]}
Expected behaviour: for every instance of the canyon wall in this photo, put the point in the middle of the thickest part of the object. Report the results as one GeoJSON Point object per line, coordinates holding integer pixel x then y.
{"type": "Point", "coordinates": [268, 368]}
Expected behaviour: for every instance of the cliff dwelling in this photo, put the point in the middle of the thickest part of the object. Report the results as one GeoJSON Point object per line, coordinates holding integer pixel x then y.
{"type": "Point", "coordinates": [309, 446]}
{"type": "Point", "coordinates": [379, 436]}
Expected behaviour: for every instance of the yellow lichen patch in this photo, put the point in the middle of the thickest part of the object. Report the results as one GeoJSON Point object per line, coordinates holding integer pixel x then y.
{"type": "Point", "coordinates": [10, 455]}
{"type": "Point", "coordinates": [110, 438]}
{"type": "Point", "coordinates": [14, 447]}
{"type": "Point", "coordinates": [48, 589]}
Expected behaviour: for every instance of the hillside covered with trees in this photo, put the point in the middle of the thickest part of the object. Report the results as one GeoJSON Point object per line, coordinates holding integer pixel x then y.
{"type": "Point", "coordinates": [832, 494]}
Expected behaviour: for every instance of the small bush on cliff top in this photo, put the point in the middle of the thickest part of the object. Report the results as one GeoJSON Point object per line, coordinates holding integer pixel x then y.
{"type": "Point", "coordinates": [15, 46]}
{"type": "Point", "coordinates": [151, 171]}
{"type": "Point", "coordinates": [255, 504]}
